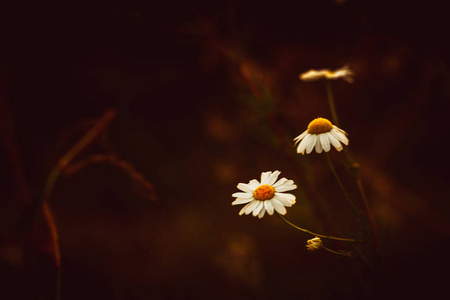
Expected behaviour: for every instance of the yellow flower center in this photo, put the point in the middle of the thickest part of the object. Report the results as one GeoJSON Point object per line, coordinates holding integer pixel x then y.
{"type": "Point", "coordinates": [319, 125]}
{"type": "Point", "coordinates": [264, 192]}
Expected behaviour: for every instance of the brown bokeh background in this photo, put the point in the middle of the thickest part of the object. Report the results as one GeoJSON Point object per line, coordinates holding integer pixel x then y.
{"type": "Point", "coordinates": [207, 95]}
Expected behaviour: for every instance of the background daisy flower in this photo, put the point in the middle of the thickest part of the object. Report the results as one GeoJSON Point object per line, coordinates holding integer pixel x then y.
{"type": "Point", "coordinates": [314, 75]}
{"type": "Point", "coordinates": [319, 135]}
{"type": "Point", "coordinates": [266, 195]}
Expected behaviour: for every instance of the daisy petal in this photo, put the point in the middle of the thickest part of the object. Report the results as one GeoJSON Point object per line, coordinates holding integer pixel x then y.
{"type": "Point", "coordinates": [242, 195]}
{"type": "Point", "coordinates": [273, 177]}
{"type": "Point", "coordinates": [340, 135]}
{"type": "Point", "coordinates": [261, 213]}
{"type": "Point", "coordinates": [279, 182]}
{"type": "Point", "coordinates": [325, 142]}
{"type": "Point", "coordinates": [245, 187]}
{"type": "Point", "coordinates": [318, 147]}
{"type": "Point", "coordinates": [284, 201]}
{"type": "Point", "coordinates": [278, 206]}
{"type": "Point", "coordinates": [287, 196]}
{"type": "Point", "coordinates": [244, 208]}
{"type": "Point", "coordinates": [311, 143]}
{"type": "Point", "coordinates": [287, 186]}
{"type": "Point", "coordinates": [302, 146]}
{"type": "Point", "coordinates": [251, 207]}
{"type": "Point", "coordinates": [340, 130]}
{"type": "Point", "coordinates": [241, 201]}
{"type": "Point", "coordinates": [300, 137]}
{"type": "Point", "coordinates": [254, 184]}
{"type": "Point", "coordinates": [289, 182]}
{"type": "Point", "coordinates": [258, 208]}
{"type": "Point", "coordinates": [269, 207]}
{"type": "Point", "coordinates": [334, 141]}
{"type": "Point", "coordinates": [265, 177]}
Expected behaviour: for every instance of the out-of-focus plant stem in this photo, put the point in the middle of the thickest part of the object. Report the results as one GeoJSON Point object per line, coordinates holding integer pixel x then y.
{"type": "Point", "coordinates": [319, 235]}
{"type": "Point", "coordinates": [354, 167]}
{"type": "Point", "coordinates": [56, 171]}
{"type": "Point", "coordinates": [343, 253]}
{"type": "Point", "coordinates": [43, 201]}
{"type": "Point", "coordinates": [344, 191]}
{"type": "Point", "coordinates": [330, 97]}
{"type": "Point", "coordinates": [121, 164]}
{"type": "Point", "coordinates": [48, 215]}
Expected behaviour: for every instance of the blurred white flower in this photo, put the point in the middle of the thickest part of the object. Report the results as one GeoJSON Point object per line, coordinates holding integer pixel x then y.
{"type": "Point", "coordinates": [314, 244]}
{"type": "Point", "coordinates": [266, 195]}
{"type": "Point", "coordinates": [319, 135]}
{"type": "Point", "coordinates": [314, 75]}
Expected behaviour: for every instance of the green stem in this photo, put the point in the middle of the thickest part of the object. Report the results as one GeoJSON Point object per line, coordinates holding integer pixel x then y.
{"type": "Point", "coordinates": [316, 234]}
{"type": "Point", "coordinates": [336, 252]}
{"type": "Point", "coordinates": [331, 103]}
{"type": "Point", "coordinates": [341, 186]}
{"type": "Point", "coordinates": [370, 229]}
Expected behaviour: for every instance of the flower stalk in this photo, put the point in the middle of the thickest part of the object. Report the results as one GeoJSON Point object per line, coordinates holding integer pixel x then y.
{"type": "Point", "coordinates": [330, 97]}
{"type": "Point", "coordinates": [343, 253]}
{"type": "Point", "coordinates": [354, 166]}
{"type": "Point", "coordinates": [344, 191]}
{"type": "Point", "coordinates": [330, 237]}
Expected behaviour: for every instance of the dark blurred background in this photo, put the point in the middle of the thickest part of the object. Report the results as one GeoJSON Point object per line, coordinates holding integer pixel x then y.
{"type": "Point", "coordinates": [207, 95]}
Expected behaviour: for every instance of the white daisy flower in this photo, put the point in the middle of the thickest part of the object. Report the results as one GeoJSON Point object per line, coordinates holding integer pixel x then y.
{"type": "Point", "coordinates": [319, 135]}
{"type": "Point", "coordinates": [314, 244]}
{"type": "Point", "coordinates": [267, 195]}
{"type": "Point", "coordinates": [314, 75]}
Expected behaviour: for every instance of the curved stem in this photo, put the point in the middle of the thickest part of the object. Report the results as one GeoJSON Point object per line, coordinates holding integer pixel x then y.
{"type": "Point", "coordinates": [331, 103]}
{"type": "Point", "coordinates": [344, 191]}
{"type": "Point", "coordinates": [43, 201]}
{"type": "Point", "coordinates": [319, 235]}
{"type": "Point", "coordinates": [98, 128]}
{"type": "Point", "coordinates": [336, 252]}
{"type": "Point", "coordinates": [55, 240]}
{"type": "Point", "coordinates": [354, 166]}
